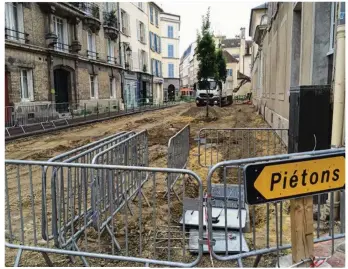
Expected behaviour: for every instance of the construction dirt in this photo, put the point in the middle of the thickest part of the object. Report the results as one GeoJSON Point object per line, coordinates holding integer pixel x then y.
{"type": "Point", "coordinates": [161, 125]}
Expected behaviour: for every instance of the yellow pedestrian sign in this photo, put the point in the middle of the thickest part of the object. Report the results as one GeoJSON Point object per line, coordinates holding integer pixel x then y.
{"type": "Point", "coordinates": [272, 181]}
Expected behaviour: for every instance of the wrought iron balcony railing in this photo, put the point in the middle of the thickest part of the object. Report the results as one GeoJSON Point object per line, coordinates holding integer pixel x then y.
{"type": "Point", "coordinates": [11, 34]}
{"type": "Point", "coordinates": [89, 8]}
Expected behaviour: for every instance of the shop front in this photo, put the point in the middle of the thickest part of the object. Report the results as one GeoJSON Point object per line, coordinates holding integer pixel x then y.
{"type": "Point", "coordinates": [145, 93]}
{"type": "Point", "coordinates": [130, 90]}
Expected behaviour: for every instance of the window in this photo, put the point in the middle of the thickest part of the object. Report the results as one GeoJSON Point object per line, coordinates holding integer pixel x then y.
{"type": "Point", "coordinates": [60, 29]}
{"type": "Point", "coordinates": [332, 28]}
{"type": "Point", "coordinates": [143, 60]}
{"type": "Point", "coordinates": [91, 52]}
{"type": "Point", "coordinates": [151, 14]}
{"type": "Point", "coordinates": [152, 41]}
{"type": "Point", "coordinates": [156, 17]}
{"type": "Point", "coordinates": [141, 32]}
{"type": "Point", "coordinates": [170, 51]}
{"type": "Point", "coordinates": [111, 51]}
{"type": "Point", "coordinates": [171, 70]}
{"type": "Point", "coordinates": [14, 21]}
{"type": "Point", "coordinates": [109, 6]}
{"type": "Point", "coordinates": [94, 86]}
{"type": "Point", "coordinates": [229, 72]}
{"type": "Point", "coordinates": [112, 85]}
{"type": "Point", "coordinates": [125, 23]}
{"type": "Point", "coordinates": [170, 31]}
{"type": "Point", "coordinates": [140, 5]}
{"type": "Point", "coordinates": [158, 44]}
{"type": "Point", "coordinates": [27, 91]}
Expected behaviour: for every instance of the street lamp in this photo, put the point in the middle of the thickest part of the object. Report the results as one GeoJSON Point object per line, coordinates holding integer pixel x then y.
{"type": "Point", "coordinates": [129, 54]}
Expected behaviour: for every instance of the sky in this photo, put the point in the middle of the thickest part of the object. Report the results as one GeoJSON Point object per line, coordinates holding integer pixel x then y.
{"type": "Point", "coordinates": [226, 18]}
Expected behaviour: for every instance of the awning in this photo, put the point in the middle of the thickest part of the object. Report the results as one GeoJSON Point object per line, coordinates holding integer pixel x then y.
{"type": "Point", "coordinates": [186, 90]}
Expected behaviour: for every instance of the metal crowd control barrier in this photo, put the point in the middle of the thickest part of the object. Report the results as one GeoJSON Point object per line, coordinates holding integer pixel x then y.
{"type": "Point", "coordinates": [133, 151]}
{"type": "Point", "coordinates": [139, 236]}
{"type": "Point", "coordinates": [59, 206]}
{"type": "Point", "coordinates": [276, 222]}
{"type": "Point", "coordinates": [216, 145]}
{"type": "Point", "coordinates": [178, 154]}
{"type": "Point", "coordinates": [82, 154]}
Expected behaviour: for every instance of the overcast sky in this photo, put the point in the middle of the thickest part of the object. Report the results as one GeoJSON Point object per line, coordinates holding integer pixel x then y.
{"type": "Point", "coordinates": [226, 17]}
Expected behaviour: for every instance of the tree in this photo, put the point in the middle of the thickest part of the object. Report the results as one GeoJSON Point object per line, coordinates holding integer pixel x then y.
{"type": "Point", "coordinates": [205, 52]}
{"type": "Point", "coordinates": [221, 72]}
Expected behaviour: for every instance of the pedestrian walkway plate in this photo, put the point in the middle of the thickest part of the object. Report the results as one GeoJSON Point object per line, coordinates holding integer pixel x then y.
{"type": "Point", "coordinates": [232, 195]}
{"type": "Point", "coordinates": [233, 221]}
{"type": "Point", "coordinates": [297, 177]}
{"type": "Point", "coordinates": [219, 237]}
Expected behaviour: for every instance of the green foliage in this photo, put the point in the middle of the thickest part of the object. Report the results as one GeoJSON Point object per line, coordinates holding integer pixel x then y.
{"type": "Point", "coordinates": [211, 61]}
{"type": "Point", "coordinates": [221, 73]}
{"type": "Point", "coordinates": [205, 50]}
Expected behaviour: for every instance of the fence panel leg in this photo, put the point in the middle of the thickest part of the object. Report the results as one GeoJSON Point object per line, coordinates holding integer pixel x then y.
{"type": "Point", "coordinates": [18, 257]}
{"type": "Point", "coordinates": [47, 259]}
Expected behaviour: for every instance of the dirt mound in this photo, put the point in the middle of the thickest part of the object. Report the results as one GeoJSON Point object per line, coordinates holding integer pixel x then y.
{"type": "Point", "coordinates": [199, 113]}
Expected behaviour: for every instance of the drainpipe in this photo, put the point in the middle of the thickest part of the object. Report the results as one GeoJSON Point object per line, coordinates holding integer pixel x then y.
{"type": "Point", "coordinates": [339, 94]}
{"type": "Point", "coordinates": [119, 54]}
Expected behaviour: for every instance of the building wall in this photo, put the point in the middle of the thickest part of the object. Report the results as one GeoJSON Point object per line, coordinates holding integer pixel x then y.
{"type": "Point", "coordinates": [42, 60]}
{"type": "Point", "coordinates": [168, 20]}
{"type": "Point", "coordinates": [158, 81]}
{"type": "Point", "coordinates": [136, 14]}
{"type": "Point", "coordinates": [233, 51]}
{"type": "Point", "coordinates": [296, 43]}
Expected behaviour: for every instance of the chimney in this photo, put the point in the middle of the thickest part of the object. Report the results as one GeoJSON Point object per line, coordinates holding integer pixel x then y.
{"type": "Point", "coordinates": [242, 33]}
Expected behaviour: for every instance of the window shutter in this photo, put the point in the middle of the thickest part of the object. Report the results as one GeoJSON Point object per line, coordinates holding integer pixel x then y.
{"type": "Point", "coordinates": [159, 68]}
{"type": "Point", "coordinates": [138, 30]}
{"type": "Point", "coordinates": [159, 45]}
{"type": "Point", "coordinates": [30, 85]}
{"type": "Point", "coordinates": [168, 31]}
{"type": "Point", "coordinates": [96, 90]}
{"type": "Point", "coordinates": [128, 24]}
{"type": "Point", "coordinates": [65, 33]}
{"type": "Point", "coordinates": [145, 36]}
{"type": "Point", "coordinates": [145, 59]}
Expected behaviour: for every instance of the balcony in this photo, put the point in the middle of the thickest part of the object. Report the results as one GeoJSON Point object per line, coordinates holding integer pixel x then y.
{"type": "Point", "coordinates": [15, 35]}
{"type": "Point", "coordinates": [92, 55]}
{"type": "Point", "coordinates": [92, 14]}
{"type": "Point", "coordinates": [110, 24]}
{"type": "Point", "coordinates": [62, 47]}
{"type": "Point", "coordinates": [112, 60]}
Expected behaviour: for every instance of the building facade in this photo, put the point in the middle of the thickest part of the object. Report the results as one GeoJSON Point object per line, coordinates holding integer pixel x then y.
{"type": "Point", "coordinates": [134, 45]}
{"type": "Point", "coordinates": [65, 53]}
{"type": "Point", "coordinates": [295, 45]}
{"type": "Point", "coordinates": [155, 50]}
{"type": "Point", "coordinates": [170, 28]}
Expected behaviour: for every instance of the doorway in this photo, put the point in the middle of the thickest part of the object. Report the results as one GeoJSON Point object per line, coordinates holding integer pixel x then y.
{"type": "Point", "coordinates": [62, 89]}
{"type": "Point", "coordinates": [143, 97]}
{"type": "Point", "coordinates": [171, 92]}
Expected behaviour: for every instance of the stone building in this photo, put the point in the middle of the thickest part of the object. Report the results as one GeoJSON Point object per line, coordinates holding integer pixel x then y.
{"type": "Point", "coordinates": [134, 41]}
{"type": "Point", "coordinates": [62, 53]}
{"type": "Point", "coordinates": [170, 28]}
{"type": "Point", "coordinates": [293, 45]}
{"type": "Point", "coordinates": [155, 51]}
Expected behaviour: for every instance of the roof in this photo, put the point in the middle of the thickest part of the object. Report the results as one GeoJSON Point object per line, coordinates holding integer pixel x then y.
{"type": "Point", "coordinates": [260, 7]}
{"type": "Point", "coordinates": [157, 6]}
{"type": "Point", "coordinates": [231, 42]}
{"type": "Point", "coordinates": [171, 14]}
{"type": "Point", "coordinates": [229, 58]}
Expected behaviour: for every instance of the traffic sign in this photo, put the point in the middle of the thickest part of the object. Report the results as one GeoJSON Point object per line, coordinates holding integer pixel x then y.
{"type": "Point", "coordinates": [280, 180]}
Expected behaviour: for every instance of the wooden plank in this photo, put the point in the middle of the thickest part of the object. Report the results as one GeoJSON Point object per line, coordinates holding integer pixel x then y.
{"type": "Point", "coordinates": [301, 214]}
